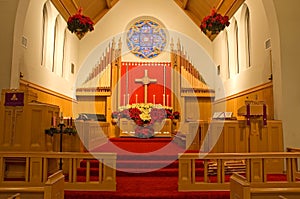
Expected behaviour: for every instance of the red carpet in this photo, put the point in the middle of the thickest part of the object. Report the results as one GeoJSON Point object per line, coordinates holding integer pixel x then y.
{"type": "Point", "coordinates": [146, 168]}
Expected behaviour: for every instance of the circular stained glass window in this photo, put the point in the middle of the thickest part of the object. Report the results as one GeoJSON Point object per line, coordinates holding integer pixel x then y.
{"type": "Point", "coordinates": [146, 38]}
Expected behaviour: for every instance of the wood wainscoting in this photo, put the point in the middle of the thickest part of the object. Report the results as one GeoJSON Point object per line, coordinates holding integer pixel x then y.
{"type": "Point", "coordinates": [232, 103]}
{"type": "Point", "coordinates": [47, 96]}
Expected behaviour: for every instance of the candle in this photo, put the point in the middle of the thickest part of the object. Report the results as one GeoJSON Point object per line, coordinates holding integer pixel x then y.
{"type": "Point", "coordinates": [248, 114]}
{"type": "Point", "coordinates": [54, 121]}
{"type": "Point", "coordinates": [127, 98]}
{"type": "Point", "coordinates": [265, 114]}
{"type": "Point", "coordinates": [153, 99]}
{"type": "Point", "coordinates": [167, 100]}
{"type": "Point", "coordinates": [136, 98]}
{"type": "Point", "coordinates": [164, 100]}
{"type": "Point", "coordinates": [124, 100]}
{"type": "Point", "coordinates": [61, 118]}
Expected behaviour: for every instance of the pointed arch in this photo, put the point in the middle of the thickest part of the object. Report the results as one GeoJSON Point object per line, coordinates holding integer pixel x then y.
{"type": "Point", "coordinates": [236, 46]}
{"type": "Point", "coordinates": [246, 37]}
{"type": "Point", "coordinates": [227, 57]}
{"type": "Point", "coordinates": [58, 54]}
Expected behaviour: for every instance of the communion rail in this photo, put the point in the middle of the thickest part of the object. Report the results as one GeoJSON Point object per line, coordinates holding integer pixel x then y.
{"type": "Point", "coordinates": [255, 167]}
{"type": "Point", "coordinates": [32, 169]}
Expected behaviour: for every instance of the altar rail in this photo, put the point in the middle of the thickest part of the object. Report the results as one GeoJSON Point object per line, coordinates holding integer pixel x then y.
{"type": "Point", "coordinates": [92, 133]}
{"type": "Point", "coordinates": [256, 169]}
{"type": "Point", "coordinates": [32, 169]}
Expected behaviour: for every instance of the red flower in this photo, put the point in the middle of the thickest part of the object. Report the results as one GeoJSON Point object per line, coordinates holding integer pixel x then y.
{"type": "Point", "coordinates": [214, 22]}
{"type": "Point", "coordinates": [79, 22]}
{"type": "Point", "coordinates": [134, 113]}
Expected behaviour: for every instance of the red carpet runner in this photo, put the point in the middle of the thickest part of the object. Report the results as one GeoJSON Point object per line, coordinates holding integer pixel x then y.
{"type": "Point", "coordinates": [146, 168]}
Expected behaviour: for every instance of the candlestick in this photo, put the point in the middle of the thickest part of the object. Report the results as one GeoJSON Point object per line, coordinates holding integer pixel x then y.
{"type": "Point", "coordinates": [71, 121]}
{"type": "Point", "coordinates": [164, 100]}
{"type": "Point", "coordinates": [153, 99]}
{"type": "Point", "coordinates": [136, 98]}
{"type": "Point", "coordinates": [167, 100]}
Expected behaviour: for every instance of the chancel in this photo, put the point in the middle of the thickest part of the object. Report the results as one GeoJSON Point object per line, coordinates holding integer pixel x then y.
{"type": "Point", "coordinates": [160, 99]}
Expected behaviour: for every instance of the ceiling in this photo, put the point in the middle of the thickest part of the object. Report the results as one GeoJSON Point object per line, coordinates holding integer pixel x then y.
{"type": "Point", "coordinates": [195, 9]}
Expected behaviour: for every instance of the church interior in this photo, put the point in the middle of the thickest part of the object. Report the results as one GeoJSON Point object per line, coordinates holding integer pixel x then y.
{"type": "Point", "coordinates": [149, 99]}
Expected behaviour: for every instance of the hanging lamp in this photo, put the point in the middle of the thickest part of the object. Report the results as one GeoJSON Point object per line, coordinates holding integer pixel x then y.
{"type": "Point", "coordinates": [80, 24]}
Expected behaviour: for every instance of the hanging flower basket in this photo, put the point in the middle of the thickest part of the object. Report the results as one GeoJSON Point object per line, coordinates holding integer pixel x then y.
{"type": "Point", "coordinates": [214, 23]}
{"type": "Point", "coordinates": [80, 24]}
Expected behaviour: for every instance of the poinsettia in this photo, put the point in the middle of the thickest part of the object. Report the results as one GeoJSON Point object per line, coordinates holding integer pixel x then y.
{"type": "Point", "coordinates": [214, 22]}
{"type": "Point", "coordinates": [80, 23]}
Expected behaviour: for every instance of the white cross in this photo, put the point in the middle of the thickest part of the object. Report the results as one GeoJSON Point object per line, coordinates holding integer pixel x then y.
{"type": "Point", "coordinates": [145, 81]}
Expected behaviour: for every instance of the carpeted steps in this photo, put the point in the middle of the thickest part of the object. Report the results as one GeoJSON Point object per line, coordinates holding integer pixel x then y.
{"type": "Point", "coordinates": [142, 172]}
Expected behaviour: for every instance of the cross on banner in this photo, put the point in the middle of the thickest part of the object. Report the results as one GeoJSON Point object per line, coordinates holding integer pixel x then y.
{"type": "Point", "coordinates": [145, 81]}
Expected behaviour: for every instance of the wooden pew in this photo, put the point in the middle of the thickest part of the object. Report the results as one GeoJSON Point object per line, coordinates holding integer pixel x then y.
{"type": "Point", "coordinates": [241, 188]}
{"type": "Point", "coordinates": [53, 189]}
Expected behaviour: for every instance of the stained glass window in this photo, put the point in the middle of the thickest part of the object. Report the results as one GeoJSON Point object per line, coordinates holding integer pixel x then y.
{"type": "Point", "coordinates": [146, 39]}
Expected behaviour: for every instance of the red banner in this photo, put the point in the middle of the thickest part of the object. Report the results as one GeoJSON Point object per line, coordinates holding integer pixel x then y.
{"type": "Point", "coordinates": [132, 84]}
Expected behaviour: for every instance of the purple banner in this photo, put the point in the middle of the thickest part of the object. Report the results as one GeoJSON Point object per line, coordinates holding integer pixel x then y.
{"type": "Point", "coordinates": [14, 99]}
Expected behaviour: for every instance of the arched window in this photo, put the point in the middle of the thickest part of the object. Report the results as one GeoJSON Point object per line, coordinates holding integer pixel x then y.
{"type": "Point", "coordinates": [226, 44]}
{"type": "Point", "coordinates": [58, 54]}
{"type": "Point", "coordinates": [247, 36]}
{"type": "Point", "coordinates": [44, 34]}
{"type": "Point", "coordinates": [47, 37]}
{"type": "Point", "coordinates": [236, 47]}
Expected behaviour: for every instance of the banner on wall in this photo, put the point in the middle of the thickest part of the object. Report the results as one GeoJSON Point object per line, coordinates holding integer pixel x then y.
{"type": "Point", "coordinates": [146, 79]}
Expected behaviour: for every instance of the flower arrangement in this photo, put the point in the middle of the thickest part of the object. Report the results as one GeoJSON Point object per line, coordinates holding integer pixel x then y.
{"type": "Point", "coordinates": [144, 116]}
{"type": "Point", "coordinates": [214, 22]}
{"type": "Point", "coordinates": [80, 24]}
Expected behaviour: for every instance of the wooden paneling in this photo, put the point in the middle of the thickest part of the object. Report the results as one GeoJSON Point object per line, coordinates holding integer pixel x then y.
{"type": "Point", "coordinates": [50, 97]}
{"type": "Point", "coordinates": [260, 93]}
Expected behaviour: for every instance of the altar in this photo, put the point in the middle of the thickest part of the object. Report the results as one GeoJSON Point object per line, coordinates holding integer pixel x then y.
{"type": "Point", "coordinates": [161, 129]}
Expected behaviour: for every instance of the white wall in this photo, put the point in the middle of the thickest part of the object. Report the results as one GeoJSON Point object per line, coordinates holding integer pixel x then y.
{"type": "Point", "coordinates": [30, 63]}
{"type": "Point", "coordinates": [260, 69]}
{"type": "Point", "coordinates": [8, 9]}
{"type": "Point", "coordinates": [289, 31]}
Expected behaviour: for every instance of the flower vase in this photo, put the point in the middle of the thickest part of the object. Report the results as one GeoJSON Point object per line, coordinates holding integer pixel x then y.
{"type": "Point", "coordinates": [144, 131]}
{"type": "Point", "coordinates": [80, 34]}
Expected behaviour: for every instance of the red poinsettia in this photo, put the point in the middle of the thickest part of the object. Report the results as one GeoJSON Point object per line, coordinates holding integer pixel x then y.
{"type": "Point", "coordinates": [80, 23]}
{"type": "Point", "coordinates": [214, 22]}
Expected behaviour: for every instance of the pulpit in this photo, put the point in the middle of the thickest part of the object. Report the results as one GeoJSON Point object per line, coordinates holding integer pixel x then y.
{"type": "Point", "coordinates": [24, 120]}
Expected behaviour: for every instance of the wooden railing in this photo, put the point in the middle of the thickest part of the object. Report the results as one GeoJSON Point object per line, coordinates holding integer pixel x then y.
{"type": "Point", "coordinates": [256, 169]}
{"type": "Point", "coordinates": [241, 188]}
{"type": "Point", "coordinates": [33, 168]}
{"type": "Point", "coordinates": [92, 133]}
{"type": "Point", "coordinates": [52, 189]}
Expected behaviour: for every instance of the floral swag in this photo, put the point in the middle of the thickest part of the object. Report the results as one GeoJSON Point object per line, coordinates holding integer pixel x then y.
{"type": "Point", "coordinates": [144, 116]}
